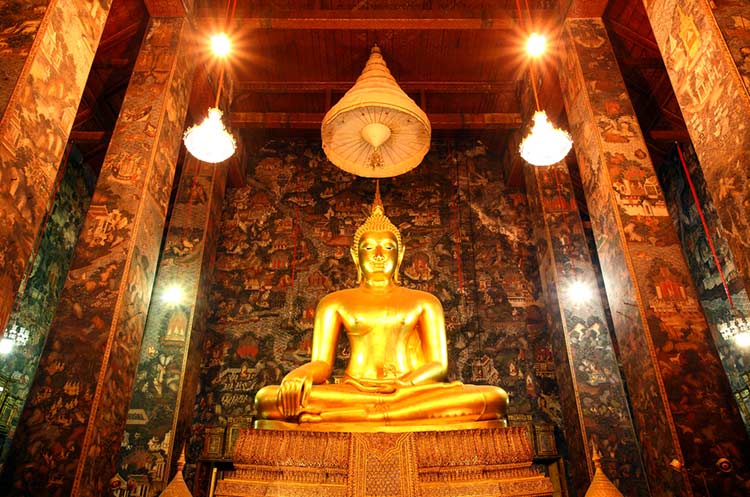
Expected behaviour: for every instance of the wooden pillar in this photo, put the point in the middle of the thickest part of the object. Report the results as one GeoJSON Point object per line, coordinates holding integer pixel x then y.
{"type": "Point", "coordinates": [591, 389]}
{"type": "Point", "coordinates": [70, 431]}
{"type": "Point", "coordinates": [697, 247]}
{"type": "Point", "coordinates": [683, 410]}
{"type": "Point", "coordinates": [732, 20]}
{"type": "Point", "coordinates": [35, 307]}
{"type": "Point", "coordinates": [704, 50]}
{"type": "Point", "coordinates": [42, 76]}
{"type": "Point", "coordinates": [161, 405]}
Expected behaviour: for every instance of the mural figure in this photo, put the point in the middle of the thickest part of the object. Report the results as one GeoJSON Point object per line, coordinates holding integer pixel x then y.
{"type": "Point", "coordinates": [398, 356]}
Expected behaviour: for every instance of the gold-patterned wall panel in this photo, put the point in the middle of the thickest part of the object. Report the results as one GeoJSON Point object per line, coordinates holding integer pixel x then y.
{"type": "Point", "coordinates": [46, 52]}
{"type": "Point", "coordinates": [596, 406]}
{"type": "Point", "coordinates": [705, 52]}
{"type": "Point", "coordinates": [667, 353]}
{"type": "Point", "coordinates": [79, 398]}
{"type": "Point", "coordinates": [166, 380]}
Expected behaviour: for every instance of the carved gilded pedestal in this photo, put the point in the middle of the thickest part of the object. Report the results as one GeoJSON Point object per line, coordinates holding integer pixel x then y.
{"type": "Point", "coordinates": [467, 462]}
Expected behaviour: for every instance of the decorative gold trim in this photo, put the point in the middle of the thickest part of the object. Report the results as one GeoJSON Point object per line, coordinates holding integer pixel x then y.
{"type": "Point", "coordinates": [468, 463]}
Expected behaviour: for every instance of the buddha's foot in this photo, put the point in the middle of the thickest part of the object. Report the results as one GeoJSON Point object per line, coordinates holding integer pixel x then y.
{"type": "Point", "coordinates": [336, 416]}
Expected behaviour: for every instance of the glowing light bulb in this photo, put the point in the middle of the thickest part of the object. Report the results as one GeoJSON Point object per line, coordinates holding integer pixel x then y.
{"type": "Point", "coordinates": [742, 339]}
{"type": "Point", "coordinates": [221, 45]}
{"type": "Point", "coordinates": [173, 294]}
{"type": "Point", "coordinates": [536, 45]}
{"type": "Point", "coordinates": [6, 345]}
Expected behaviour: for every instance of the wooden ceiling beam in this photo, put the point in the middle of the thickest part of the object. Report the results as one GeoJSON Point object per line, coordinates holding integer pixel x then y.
{"type": "Point", "coordinates": [122, 35]}
{"type": "Point", "coordinates": [112, 63]}
{"type": "Point", "coordinates": [412, 20]}
{"type": "Point", "coordinates": [166, 8]}
{"type": "Point", "coordinates": [669, 135]}
{"type": "Point", "coordinates": [89, 136]}
{"type": "Point", "coordinates": [630, 34]}
{"type": "Point", "coordinates": [643, 62]}
{"type": "Point", "coordinates": [407, 86]}
{"type": "Point", "coordinates": [587, 8]}
{"type": "Point", "coordinates": [302, 120]}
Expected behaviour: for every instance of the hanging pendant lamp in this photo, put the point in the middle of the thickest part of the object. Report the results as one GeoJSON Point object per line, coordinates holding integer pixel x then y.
{"type": "Point", "coordinates": [376, 130]}
{"type": "Point", "coordinates": [545, 145]}
{"type": "Point", "coordinates": [210, 141]}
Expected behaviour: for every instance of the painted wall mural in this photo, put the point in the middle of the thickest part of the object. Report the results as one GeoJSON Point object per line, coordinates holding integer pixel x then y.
{"type": "Point", "coordinates": [671, 365]}
{"type": "Point", "coordinates": [593, 396]}
{"type": "Point", "coordinates": [35, 308]}
{"type": "Point", "coordinates": [284, 244]}
{"type": "Point", "coordinates": [21, 22]}
{"type": "Point", "coordinates": [75, 415]}
{"type": "Point", "coordinates": [707, 72]}
{"type": "Point", "coordinates": [733, 19]}
{"type": "Point", "coordinates": [166, 379]}
{"type": "Point", "coordinates": [682, 207]}
{"type": "Point", "coordinates": [38, 114]}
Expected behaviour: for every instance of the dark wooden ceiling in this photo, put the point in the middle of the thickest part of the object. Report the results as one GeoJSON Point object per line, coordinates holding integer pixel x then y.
{"type": "Point", "coordinates": [462, 61]}
{"type": "Point", "coordinates": [108, 79]}
{"type": "Point", "coordinates": [645, 77]}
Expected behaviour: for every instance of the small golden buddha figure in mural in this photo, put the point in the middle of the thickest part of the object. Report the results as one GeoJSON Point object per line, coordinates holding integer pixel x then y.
{"type": "Point", "coordinates": [398, 363]}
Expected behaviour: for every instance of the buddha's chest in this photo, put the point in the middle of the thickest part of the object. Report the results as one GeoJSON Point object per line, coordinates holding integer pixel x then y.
{"type": "Point", "coordinates": [393, 319]}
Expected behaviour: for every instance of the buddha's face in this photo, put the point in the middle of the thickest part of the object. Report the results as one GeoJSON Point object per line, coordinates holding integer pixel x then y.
{"type": "Point", "coordinates": [378, 255]}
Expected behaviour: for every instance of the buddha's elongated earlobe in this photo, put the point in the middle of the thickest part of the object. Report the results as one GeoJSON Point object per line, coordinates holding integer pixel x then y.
{"type": "Point", "coordinates": [401, 250]}
{"type": "Point", "coordinates": [355, 258]}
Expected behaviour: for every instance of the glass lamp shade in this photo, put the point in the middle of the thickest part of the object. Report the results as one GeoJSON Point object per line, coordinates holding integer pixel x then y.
{"type": "Point", "coordinates": [545, 145]}
{"type": "Point", "coordinates": [210, 141]}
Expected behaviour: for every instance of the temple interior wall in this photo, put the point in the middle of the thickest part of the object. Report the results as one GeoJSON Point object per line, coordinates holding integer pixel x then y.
{"type": "Point", "coordinates": [697, 249]}
{"type": "Point", "coordinates": [35, 307]}
{"type": "Point", "coordinates": [284, 243]}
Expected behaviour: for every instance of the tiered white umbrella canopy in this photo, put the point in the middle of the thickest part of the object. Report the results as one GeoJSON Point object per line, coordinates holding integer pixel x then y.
{"type": "Point", "coordinates": [376, 130]}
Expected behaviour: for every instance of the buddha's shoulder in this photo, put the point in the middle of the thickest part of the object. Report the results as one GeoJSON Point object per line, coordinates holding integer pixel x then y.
{"type": "Point", "coordinates": [406, 295]}
{"type": "Point", "coordinates": [337, 297]}
{"type": "Point", "coordinates": [419, 296]}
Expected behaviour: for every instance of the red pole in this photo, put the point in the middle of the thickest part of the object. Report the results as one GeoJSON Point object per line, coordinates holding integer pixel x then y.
{"type": "Point", "coordinates": [705, 225]}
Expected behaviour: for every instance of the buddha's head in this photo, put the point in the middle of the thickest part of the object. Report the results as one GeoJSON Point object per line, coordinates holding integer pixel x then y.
{"type": "Point", "coordinates": [377, 248]}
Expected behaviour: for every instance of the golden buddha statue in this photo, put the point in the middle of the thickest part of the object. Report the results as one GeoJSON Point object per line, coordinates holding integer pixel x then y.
{"type": "Point", "coordinates": [399, 359]}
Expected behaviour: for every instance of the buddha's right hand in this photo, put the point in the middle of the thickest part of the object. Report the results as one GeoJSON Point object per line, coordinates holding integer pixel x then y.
{"type": "Point", "coordinates": [372, 386]}
{"type": "Point", "coordinates": [294, 392]}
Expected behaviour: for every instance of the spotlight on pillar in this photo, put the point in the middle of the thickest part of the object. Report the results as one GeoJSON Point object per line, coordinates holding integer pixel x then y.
{"type": "Point", "coordinates": [545, 145]}
{"type": "Point", "coordinates": [14, 335]}
{"type": "Point", "coordinates": [580, 292]}
{"type": "Point", "coordinates": [173, 294]}
{"type": "Point", "coordinates": [742, 340]}
{"type": "Point", "coordinates": [736, 329]}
